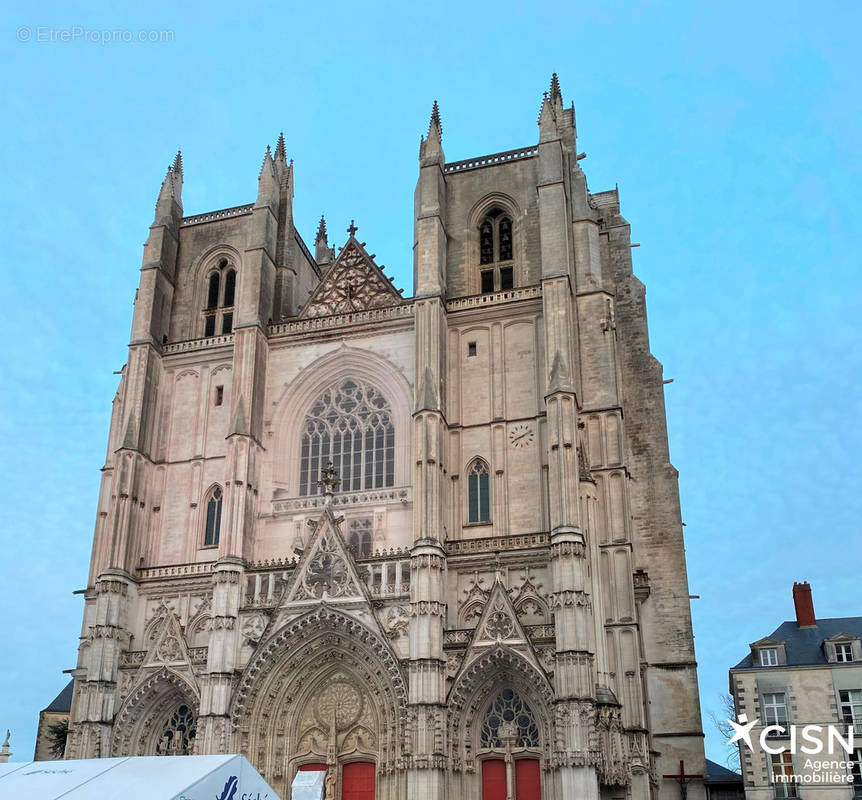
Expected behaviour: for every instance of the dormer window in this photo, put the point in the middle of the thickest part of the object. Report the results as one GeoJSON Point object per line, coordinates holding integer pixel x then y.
{"type": "Point", "coordinates": [843, 652]}
{"type": "Point", "coordinates": [496, 272]}
{"type": "Point", "coordinates": [768, 657]}
{"type": "Point", "coordinates": [221, 289]}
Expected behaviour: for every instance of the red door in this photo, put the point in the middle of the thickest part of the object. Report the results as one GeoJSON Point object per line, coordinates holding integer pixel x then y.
{"type": "Point", "coordinates": [357, 781]}
{"type": "Point", "coordinates": [313, 768]}
{"type": "Point", "coordinates": [493, 779]}
{"type": "Point", "coordinates": [528, 782]}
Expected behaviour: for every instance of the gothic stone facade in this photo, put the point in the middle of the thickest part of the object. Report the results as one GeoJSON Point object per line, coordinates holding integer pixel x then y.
{"type": "Point", "coordinates": [493, 601]}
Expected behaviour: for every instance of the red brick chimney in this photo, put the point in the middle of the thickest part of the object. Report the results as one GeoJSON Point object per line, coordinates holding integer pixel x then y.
{"type": "Point", "coordinates": [804, 604]}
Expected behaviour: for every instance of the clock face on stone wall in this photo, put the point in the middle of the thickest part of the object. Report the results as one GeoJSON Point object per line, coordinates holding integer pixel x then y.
{"type": "Point", "coordinates": [520, 435]}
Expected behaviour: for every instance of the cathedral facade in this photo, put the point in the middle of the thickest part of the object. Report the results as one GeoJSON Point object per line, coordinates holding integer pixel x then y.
{"type": "Point", "coordinates": [431, 543]}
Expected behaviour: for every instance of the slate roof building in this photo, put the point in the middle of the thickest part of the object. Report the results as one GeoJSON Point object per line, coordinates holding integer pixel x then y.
{"type": "Point", "coordinates": [808, 671]}
{"type": "Point", "coordinates": [56, 713]}
{"type": "Point", "coordinates": [722, 783]}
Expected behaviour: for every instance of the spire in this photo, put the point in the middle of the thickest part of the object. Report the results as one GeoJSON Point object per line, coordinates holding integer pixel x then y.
{"type": "Point", "coordinates": [555, 93]}
{"type": "Point", "coordinates": [323, 253]}
{"type": "Point", "coordinates": [431, 149]}
{"type": "Point", "coordinates": [321, 231]}
{"type": "Point", "coordinates": [171, 190]}
{"type": "Point", "coordinates": [267, 181]}
{"type": "Point", "coordinates": [280, 150]}
{"type": "Point", "coordinates": [435, 121]}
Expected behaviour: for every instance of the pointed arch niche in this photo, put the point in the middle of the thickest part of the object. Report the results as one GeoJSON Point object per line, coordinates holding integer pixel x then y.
{"type": "Point", "coordinates": [159, 717]}
{"type": "Point", "coordinates": [312, 383]}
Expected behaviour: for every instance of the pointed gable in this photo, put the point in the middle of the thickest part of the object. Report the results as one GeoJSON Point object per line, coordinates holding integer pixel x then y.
{"type": "Point", "coordinates": [326, 571]}
{"type": "Point", "coordinates": [169, 644]}
{"type": "Point", "coordinates": [498, 626]}
{"type": "Point", "coordinates": [353, 283]}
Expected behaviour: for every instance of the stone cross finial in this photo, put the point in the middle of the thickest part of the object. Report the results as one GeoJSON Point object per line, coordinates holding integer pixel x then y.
{"type": "Point", "coordinates": [352, 229]}
{"type": "Point", "coordinates": [329, 482]}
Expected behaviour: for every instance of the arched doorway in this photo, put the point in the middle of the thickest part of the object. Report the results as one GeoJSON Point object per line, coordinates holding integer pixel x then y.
{"type": "Point", "coordinates": [500, 728]}
{"type": "Point", "coordinates": [324, 690]}
{"type": "Point", "coordinates": [158, 718]}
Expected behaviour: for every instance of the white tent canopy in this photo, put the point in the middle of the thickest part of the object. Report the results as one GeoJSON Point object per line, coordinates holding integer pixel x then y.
{"type": "Point", "coordinates": [140, 778]}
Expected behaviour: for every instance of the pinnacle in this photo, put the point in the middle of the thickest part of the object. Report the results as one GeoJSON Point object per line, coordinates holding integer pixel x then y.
{"type": "Point", "coordinates": [555, 92]}
{"type": "Point", "coordinates": [321, 230]}
{"type": "Point", "coordinates": [280, 150]}
{"type": "Point", "coordinates": [177, 166]}
{"type": "Point", "coordinates": [435, 120]}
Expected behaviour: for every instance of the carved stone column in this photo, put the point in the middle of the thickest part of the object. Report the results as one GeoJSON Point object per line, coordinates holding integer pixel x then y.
{"type": "Point", "coordinates": [216, 684]}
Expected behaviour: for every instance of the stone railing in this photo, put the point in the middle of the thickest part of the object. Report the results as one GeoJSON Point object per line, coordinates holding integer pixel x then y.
{"type": "Point", "coordinates": [494, 158]}
{"type": "Point", "coordinates": [460, 637]}
{"type": "Point", "coordinates": [493, 299]}
{"type": "Point", "coordinates": [175, 570]}
{"type": "Point", "coordinates": [383, 575]}
{"type": "Point", "coordinates": [490, 544]}
{"type": "Point", "coordinates": [403, 494]}
{"type": "Point", "coordinates": [198, 344]}
{"type": "Point", "coordinates": [402, 311]}
{"type": "Point", "coordinates": [212, 216]}
{"type": "Point", "coordinates": [264, 589]}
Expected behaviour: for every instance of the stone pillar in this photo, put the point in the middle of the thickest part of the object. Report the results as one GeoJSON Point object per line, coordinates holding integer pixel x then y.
{"type": "Point", "coordinates": [96, 677]}
{"type": "Point", "coordinates": [426, 777]}
{"type": "Point", "coordinates": [213, 719]}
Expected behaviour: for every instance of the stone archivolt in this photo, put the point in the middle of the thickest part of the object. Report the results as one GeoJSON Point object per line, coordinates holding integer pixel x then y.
{"type": "Point", "coordinates": [139, 723]}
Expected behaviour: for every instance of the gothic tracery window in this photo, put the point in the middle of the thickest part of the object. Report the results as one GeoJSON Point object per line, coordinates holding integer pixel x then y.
{"type": "Point", "coordinates": [509, 717]}
{"type": "Point", "coordinates": [220, 294]}
{"type": "Point", "coordinates": [496, 272]}
{"type": "Point", "coordinates": [213, 518]}
{"type": "Point", "coordinates": [478, 492]}
{"type": "Point", "coordinates": [360, 536]}
{"type": "Point", "coordinates": [178, 734]}
{"type": "Point", "coordinates": [351, 425]}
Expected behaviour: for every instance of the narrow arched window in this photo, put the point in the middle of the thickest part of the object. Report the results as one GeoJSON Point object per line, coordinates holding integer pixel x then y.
{"type": "Point", "coordinates": [496, 250]}
{"type": "Point", "coordinates": [220, 297]}
{"type": "Point", "coordinates": [478, 493]}
{"type": "Point", "coordinates": [213, 524]}
{"type": "Point", "coordinates": [351, 425]}
{"type": "Point", "coordinates": [509, 718]}
{"type": "Point", "coordinates": [486, 242]}
{"type": "Point", "coordinates": [229, 287]}
{"type": "Point", "coordinates": [212, 293]}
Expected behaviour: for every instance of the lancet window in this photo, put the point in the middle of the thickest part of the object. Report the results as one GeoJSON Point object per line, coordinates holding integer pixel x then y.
{"type": "Point", "coordinates": [496, 272]}
{"type": "Point", "coordinates": [213, 517]}
{"type": "Point", "coordinates": [478, 492]}
{"type": "Point", "coordinates": [220, 295]}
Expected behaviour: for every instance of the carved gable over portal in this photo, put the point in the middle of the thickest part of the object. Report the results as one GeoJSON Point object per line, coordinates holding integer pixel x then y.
{"type": "Point", "coordinates": [353, 283]}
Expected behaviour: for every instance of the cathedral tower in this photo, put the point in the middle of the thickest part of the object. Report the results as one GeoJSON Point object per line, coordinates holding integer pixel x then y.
{"type": "Point", "coordinates": [431, 544]}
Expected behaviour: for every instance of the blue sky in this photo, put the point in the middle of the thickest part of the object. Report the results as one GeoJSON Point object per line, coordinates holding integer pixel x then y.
{"type": "Point", "coordinates": [731, 128]}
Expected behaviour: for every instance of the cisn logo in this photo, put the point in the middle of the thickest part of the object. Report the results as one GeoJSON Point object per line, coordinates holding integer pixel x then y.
{"type": "Point", "coordinates": [812, 735]}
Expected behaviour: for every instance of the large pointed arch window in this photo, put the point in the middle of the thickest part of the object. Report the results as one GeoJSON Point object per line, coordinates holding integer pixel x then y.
{"type": "Point", "coordinates": [220, 293]}
{"type": "Point", "coordinates": [478, 492]}
{"type": "Point", "coordinates": [351, 425]}
{"type": "Point", "coordinates": [496, 270]}
{"type": "Point", "coordinates": [213, 518]}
